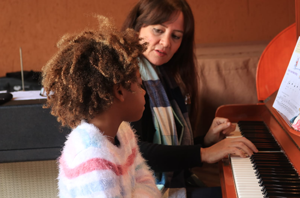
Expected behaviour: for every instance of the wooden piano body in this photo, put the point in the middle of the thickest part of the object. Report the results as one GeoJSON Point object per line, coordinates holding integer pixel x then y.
{"type": "Point", "coordinates": [285, 136]}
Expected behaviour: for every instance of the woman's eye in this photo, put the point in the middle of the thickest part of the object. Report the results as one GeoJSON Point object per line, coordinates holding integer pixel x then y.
{"type": "Point", "coordinates": [158, 31]}
{"type": "Point", "coordinates": [176, 37]}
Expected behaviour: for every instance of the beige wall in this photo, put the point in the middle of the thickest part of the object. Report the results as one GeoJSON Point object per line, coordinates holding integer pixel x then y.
{"type": "Point", "coordinates": [37, 25]}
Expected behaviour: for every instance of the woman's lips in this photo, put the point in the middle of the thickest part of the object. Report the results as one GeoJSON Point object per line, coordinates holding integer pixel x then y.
{"type": "Point", "coordinates": [160, 53]}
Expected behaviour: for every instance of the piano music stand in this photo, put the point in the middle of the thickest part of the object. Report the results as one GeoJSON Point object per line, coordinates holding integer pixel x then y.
{"type": "Point", "coordinates": [275, 58]}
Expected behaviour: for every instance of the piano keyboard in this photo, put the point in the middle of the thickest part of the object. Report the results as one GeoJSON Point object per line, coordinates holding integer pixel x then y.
{"type": "Point", "coordinates": [267, 173]}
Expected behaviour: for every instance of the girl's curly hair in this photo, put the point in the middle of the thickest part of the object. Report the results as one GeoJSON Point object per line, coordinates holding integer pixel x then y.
{"type": "Point", "coordinates": [79, 79]}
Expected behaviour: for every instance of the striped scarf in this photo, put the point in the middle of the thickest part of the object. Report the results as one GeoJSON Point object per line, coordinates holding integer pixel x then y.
{"type": "Point", "coordinates": [170, 116]}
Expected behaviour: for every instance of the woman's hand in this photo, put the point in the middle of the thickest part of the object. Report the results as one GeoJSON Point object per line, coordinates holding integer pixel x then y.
{"type": "Point", "coordinates": [239, 146]}
{"type": "Point", "coordinates": [219, 129]}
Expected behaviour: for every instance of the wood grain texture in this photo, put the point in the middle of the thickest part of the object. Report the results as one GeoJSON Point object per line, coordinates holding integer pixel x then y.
{"type": "Point", "coordinates": [274, 61]}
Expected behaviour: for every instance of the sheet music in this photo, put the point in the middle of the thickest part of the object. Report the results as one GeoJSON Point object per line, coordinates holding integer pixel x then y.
{"type": "Point", "coordinates": [287, 101]}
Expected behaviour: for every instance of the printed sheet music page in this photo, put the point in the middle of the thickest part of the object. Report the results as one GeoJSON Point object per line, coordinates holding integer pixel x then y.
{"type": "Point", "coordinates": [287, 101]}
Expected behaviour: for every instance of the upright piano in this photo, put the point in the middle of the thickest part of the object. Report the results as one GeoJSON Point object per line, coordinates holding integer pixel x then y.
{"type": "Point", "coordinates": [275, 170]}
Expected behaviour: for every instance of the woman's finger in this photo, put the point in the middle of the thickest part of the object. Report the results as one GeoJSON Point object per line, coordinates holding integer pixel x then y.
{"type": "Point", "coordinates": [244, 144]}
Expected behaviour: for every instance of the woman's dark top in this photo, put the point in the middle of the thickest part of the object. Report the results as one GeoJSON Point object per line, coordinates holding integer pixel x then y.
{"type": "Point", "coordinates": [164, 158]}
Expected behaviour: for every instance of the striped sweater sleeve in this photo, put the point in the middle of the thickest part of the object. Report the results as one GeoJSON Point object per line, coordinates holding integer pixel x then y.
{"type": "Point", "coordinates": [145, 184]}
{"type": "Point", "coordinates": [144, 178]}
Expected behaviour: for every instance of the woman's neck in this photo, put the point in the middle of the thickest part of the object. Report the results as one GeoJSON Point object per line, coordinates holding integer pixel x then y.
{"type": "Point", "coordinates": [155, 67]}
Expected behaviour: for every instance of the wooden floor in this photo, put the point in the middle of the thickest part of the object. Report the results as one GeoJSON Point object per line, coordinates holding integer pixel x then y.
{"type": "Point", "coordinates": [209, 174]}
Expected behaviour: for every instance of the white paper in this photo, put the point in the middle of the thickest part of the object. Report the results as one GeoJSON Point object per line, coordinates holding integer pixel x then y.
{"type": "Point", "coordinates": [26, 95]}
{"type": "Point", "coordinates": [287, 101]}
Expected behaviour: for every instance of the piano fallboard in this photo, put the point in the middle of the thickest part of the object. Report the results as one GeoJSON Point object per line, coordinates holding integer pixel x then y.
{"type": "Point", "coordinates": [289, 142]}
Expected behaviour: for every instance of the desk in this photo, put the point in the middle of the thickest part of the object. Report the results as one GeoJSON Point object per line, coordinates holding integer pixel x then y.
{"type": "Point", "coordinates": [29, 132]}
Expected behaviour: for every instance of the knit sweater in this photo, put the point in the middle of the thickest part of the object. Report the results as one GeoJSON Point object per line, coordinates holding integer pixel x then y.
{"type": "Point", "coordinates": [91, 166]}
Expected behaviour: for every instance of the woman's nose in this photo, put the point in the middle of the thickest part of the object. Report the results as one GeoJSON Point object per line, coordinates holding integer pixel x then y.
{"type": "Point", "coordinates": [165, 41]}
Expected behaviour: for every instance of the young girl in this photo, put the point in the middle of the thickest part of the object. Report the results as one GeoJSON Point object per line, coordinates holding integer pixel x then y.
{"type": "Point", "coordinates": [93, 85]}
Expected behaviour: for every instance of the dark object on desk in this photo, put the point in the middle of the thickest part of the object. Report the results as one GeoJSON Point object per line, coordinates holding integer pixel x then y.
{"type": "Point", "coordinates": [29, 76]}
{"type": "Point", "coordinates": [12, 81]}
{"type": "Point", "coordinates": [5, 97]}
{"type": "Point", "coordinates": [29, 132]}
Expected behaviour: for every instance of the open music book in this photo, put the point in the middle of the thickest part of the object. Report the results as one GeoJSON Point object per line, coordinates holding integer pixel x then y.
{"type": "Point", "coordinates": [287, 101]}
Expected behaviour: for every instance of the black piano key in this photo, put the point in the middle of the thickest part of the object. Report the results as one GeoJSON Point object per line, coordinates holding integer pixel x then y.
{"type": "Point", "coordinates": [274, 164]}
{"type": "Point", "coordinates": [278, 182]}
{"type": "Point", "coordinates": [258, 136]}
{"type": "Point", "coordinates": [256, 125]}
{"type": "Point", "coordinates": [277, 178]}
{"type": "Point", "coordinates": [262, 140]}
{"type": "Point", "coordinates": [268, 147]}
{"type": "Point", "coordinates": [283, 194]}
{"type": "Point", "coordinates": [258, 128]}
{"type": "Point", "coordinates": [278, 186]}
{"type": "Point", "coordinates": [278, 154]}
{"type": "Point", "coordinates": [257, 166]}
{"type": "Point", "coordinates": [277, 169]}
{"type": "Point", "coordinates": [250, 122]}
{"type": "Point", "coordinates": [269, 189]}
{"type": "Point", "coordinates": [270, 161]}
{"type": "Point", "coordinates": [280, 197]}
{"type": "Point", "coordinates": [256, 133]}
{"type": "Point", "coordinates": [271, 157]}
{"type": "Point", "coordinates": [259, 132]}
{"type": "Point", "coordinates": [279, 174]}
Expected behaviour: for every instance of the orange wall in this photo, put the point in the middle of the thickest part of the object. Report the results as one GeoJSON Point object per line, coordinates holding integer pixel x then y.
{"type": "Point", "coordinates": [37, 25]}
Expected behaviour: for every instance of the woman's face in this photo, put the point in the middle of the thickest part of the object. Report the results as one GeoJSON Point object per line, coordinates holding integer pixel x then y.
{"type": "Point", "coordinates": [163, 39]}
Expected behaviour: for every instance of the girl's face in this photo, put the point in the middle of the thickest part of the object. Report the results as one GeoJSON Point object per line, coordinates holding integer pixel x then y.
{"type": "Point", "coordinates": [135, 103]}
{"type": "Point", "coordinates": [163, 39]}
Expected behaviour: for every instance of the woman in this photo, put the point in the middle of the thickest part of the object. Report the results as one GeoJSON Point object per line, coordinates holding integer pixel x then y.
{"type": "Point", "coordinates": [168, 28]}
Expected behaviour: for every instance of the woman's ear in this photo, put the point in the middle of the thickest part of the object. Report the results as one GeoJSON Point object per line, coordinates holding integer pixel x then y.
{"type": "Point", "coordinates": [119, 92]}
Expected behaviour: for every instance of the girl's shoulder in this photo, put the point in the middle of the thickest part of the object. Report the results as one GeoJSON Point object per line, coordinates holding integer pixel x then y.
{"type": "Point", "coordinates": [83, 143]}
{"type": "Point", "coordinates": [126, 135]}
{"type": "Point", "coordinates": [86, 135]}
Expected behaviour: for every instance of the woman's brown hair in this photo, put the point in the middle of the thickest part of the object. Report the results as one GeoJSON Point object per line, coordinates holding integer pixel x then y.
{"type": "Point", "coordinates": [182, 65]}
{"type": "Point", "coordinates": [79, 79]}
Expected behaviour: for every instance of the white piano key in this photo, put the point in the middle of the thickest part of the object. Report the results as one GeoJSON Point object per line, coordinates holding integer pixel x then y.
{"type": "Point", "coordinates": [246, 183]}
